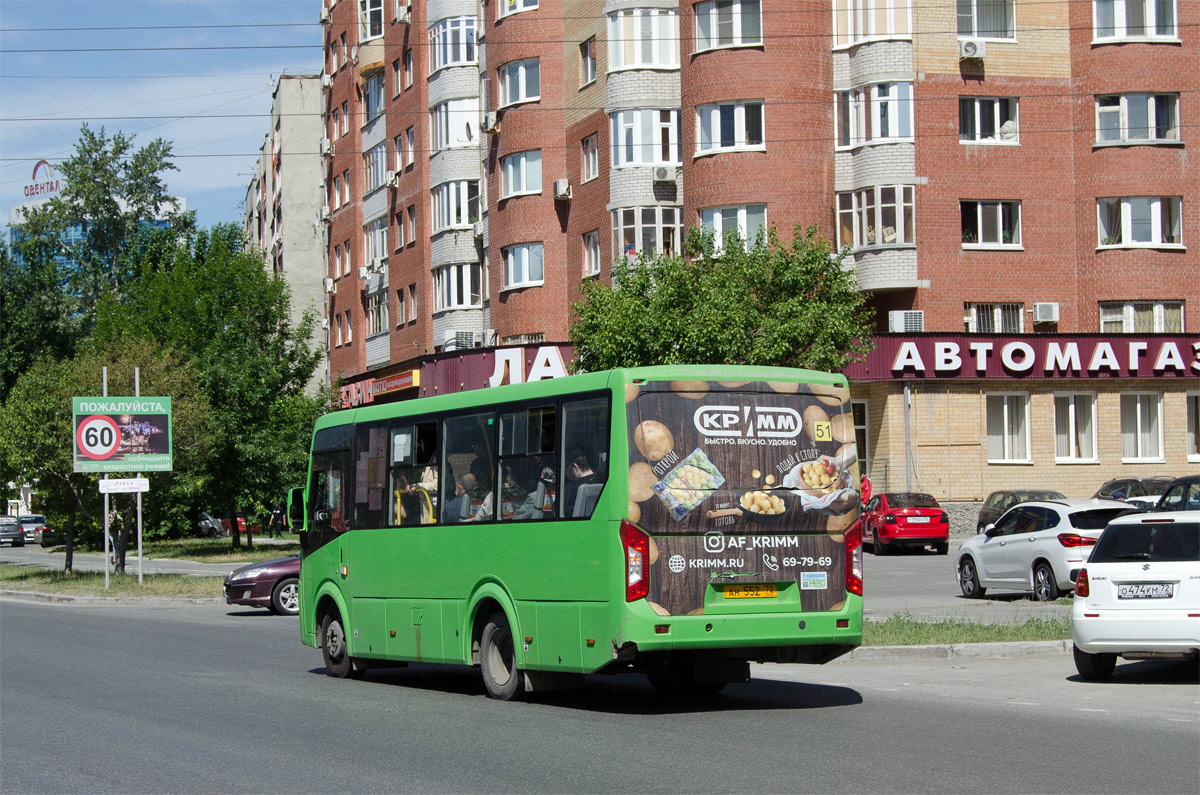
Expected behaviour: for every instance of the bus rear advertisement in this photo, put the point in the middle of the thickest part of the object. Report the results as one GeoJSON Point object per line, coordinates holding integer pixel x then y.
{"type": "Point", "coordinates": [677, 521]}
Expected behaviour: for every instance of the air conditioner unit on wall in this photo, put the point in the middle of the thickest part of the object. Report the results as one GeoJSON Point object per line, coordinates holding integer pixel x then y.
{"type": "Point", "coordinates": [392, 180]}
{"type": "Point", "coordinates": [326, 146]}
{"type": "Point", "coordinates": [1045, 312]}
{"type": "Point", "coordinates": [906, 321]}
{"type": "Point", "coordinates": [477, 228]}
{"type": "Point", "coordinates": [325, 214]}
{"type": "Point", "coordinates": [324, 322]}
{"type": "Point", "coordinates": [403, 14]}
{"type": "Point", "coordinates": [326, 81]}
{"type": "Point", "coordinates": [324, 14]}
{"type": "Point", "coordinates": [664, 174]}
{"type": "Point", "coordinates": [971, 49]}
{"type": "Point", "coordinates": [362, 272]}
{"type": "Point", "coordinates": [330, 285]}
{"type": "Point", "coordinates": [562, 189]}
{"type": "Point", "coordinates": [458, 340]}
{"type": "Point", "coordinates": [491, 123]}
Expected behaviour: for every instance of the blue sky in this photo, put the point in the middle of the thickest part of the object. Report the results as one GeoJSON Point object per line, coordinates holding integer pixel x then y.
{"type": "Point", "coordinates": [211, 104]}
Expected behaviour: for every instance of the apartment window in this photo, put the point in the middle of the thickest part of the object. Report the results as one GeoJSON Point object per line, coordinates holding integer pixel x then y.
{"type": "Point", "coordinates": [412, 301]}
{"type": "Point", "coordinates": [1193, 426]}
{"type": "Point", "coordinates": [349, 328]}
{"type": "Point", "coordinates": [986, 19]}
{"type": "Point", "coordinates": [1134, 19]}
{"type": "Point", "coordinates": [345, 52]}
{"type": "Point", "coordinates": [858, 411]}
{"type": "Point", "coordinates": [410, 148]}
{"type": "Point", "coordinates": [591, 253]}
{"type": "Point", "coordinates": [370, 19]}
{"type": "Point", "coordinates": [995, 318]}
{"type": "Point", "coordinates": [376, 313]}
{"type": "Point", "coordinates": [747, 220]}
{"type": "Point", "coordinates": [346, 186]}
{"type": "Point", "coordinates": [345, 117]}
{"type": "Point", "coordinates": [653, 230]}
{"type": "Point", "coordinates": [1074, 427]}
{"type": "Point", "coordinates": [1137, 118]}
{"type": "Point", "coordinates": [333, 57]}
{"type": "Point", "coordinates": [728, 23]}
{"type": "Point", "coordinates": [987, 120]}
{"type": "Point", "coordinates": [521, 173]}
{"type": "Point", "coordinates": [876, 113]}
{"type": "Point", "coordinates": [375, 167]}
{"type": "Point", "coordinates": [375, 248]}
{"type": "Point", "coordinates": [876, 216]}
{"type": "Point", "coordinates": [520, 81]}
{"type": "Point", "coordinates": [337, 261]}
{"type": "Point", "coordinates": [856, 20]}
{"type": "Point", "coordinates": [1141, 431]}
{"type": "Point", "coordinates": [337, 192]}
{"type": "Point", "coordinates": [1145, 221]}
{"type": "Point", "coordinates": [591, 157]}
{"type": "Point", "coordinates": [455, 204]}
{"type": "Point", "coordinates": [506, 7]}
{"type": "Point", "coordinates": [643, 38]}
{"type": "Point", "coordinates": [730, 126]}
{"type": "Point", "coordinates": [412, 223]}
{"type": "Point", "coordinates": [340, 333]}
{"type": "Point", "coordinates": [1141, 317]}
{"type": "Point", "coordinates": [336, 130]}
{"type": "Point", "coordinates": [346, 263]}
{"type": "Point", "coordinates": [453, 42]}
{"type": "Point", "coordinates": [399, 230]}
{"type": "Point", "coordinates": [373, 95]}
{"type": "Point", "coordinates": [646, 137]}
{"type": "Point", "coordinates": [397, 77]}
{"type": "Point", "coordinates": [457, 286]}
{"type": "Point", "coordinates": [522, 265]}
{"type": "Point", "coordinates": [990, 224]}
{"type": "Point", "coordinates": [408, 69]}
{"type": "Point", "coordinates": [400, 319]}
{"type": "Point", "coordinates": [398, 142]}
{"type": "Point", "coordinates": [1008, 429]}
{"type": "Point", "coordinates": [587, 62]}
{"type": "Point", "coordinates": [454, 124]}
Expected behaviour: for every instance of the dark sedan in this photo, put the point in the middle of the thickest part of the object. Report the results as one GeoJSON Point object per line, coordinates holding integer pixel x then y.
{"type": "Point", "coordinates": [1000, 501]}
{"type": "Point", "coordinates": [10, 531]}
{"type": "Point", "coordinates": [273, 584]}
{"type": "Point", "coordinates": [1132, 487]}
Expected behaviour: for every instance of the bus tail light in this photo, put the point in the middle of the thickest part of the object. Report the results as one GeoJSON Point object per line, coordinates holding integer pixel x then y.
{"type": "Point", "coordinates": [854, 559]}
{"type": "Point", "coordinates": [1081, 584]}
{"type": "Point", "coordinates": [1075, 540]}
{"type": "Point", "coordinates": [637, 560]}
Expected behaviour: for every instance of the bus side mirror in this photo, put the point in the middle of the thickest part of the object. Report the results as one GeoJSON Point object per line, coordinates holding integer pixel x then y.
{"type": "Point", "coordinates": [296, 510]}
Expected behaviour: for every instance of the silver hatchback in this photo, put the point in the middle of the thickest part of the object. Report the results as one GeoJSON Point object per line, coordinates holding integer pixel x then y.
{"type": "Point", "coordinates": [11, 531]}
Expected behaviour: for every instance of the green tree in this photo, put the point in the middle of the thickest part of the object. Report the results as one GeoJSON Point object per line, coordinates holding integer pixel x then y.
{"type": "Point", "coordinates": [772, 304]}
{"type": "Point", "coordinates": [212, 300]}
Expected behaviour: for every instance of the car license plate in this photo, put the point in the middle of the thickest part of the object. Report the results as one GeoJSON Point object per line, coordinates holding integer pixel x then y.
{"type": "Point", "coordinates": [750, 592]}
{"type": "Point", "coordinates": [1146, 590]}
{"type": "Point", "coordinates": [918, 520]}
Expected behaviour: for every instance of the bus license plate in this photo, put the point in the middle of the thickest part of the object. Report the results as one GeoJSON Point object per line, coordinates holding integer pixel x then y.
{"type": "Point", "coordinates": [1146, 590]}
{"type": "Point", "coordinates": [750, 592]}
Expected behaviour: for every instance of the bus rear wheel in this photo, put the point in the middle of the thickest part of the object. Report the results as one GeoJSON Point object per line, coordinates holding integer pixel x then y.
{"type": "Point", "coordinates": [498, 659]}
{"type": "Point", "coordinates": [334, 648]}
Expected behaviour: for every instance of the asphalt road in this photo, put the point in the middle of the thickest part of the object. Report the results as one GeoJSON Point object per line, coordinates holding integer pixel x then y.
{"type": "Point", "coordinates": [205, 698]}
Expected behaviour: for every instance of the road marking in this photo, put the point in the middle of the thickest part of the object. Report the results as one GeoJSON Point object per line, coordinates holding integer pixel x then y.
{"type": "Point", "coordinates": [1085, 709]}
{"type": "Point", "coordinates": [1025, 703]}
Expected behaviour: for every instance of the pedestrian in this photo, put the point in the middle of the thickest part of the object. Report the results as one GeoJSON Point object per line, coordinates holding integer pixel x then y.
{"type": "Point", "coordinates": [865, 487]}
{"type": "Point", "coordinates": [275, 528]}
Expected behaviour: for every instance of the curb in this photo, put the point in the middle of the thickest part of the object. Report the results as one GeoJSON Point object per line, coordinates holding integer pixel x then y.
{"type": "Point", "coordinates": [52, 598]}
{"type": "Point", "coordinates": [950, 651]}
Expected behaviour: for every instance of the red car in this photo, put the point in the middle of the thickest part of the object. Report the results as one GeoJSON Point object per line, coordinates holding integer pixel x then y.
{"type": "Point", "coordinates": [895, 519]}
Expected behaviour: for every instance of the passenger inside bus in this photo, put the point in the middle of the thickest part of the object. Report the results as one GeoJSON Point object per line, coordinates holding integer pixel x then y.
{"type": "Point", "coordinates": [582, 486]}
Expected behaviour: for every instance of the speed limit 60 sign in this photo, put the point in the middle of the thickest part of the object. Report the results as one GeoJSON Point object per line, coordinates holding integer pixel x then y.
{"type": "Point", "coordinates": [122, 434]}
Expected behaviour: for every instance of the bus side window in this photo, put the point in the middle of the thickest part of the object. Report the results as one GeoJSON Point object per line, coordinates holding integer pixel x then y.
{"type": "Point", "coordinates": [585, 464]}
{"type": "Point", "coordinates": [327, 504]}
{"type": "Point", "coordinates": [528, 486]}
{"type": "Point", "coordinates": [469, 444]}
{"type": "Point", "coordinates": [370, 476]}
{"type": "Point", "coordinates": [413, 482]}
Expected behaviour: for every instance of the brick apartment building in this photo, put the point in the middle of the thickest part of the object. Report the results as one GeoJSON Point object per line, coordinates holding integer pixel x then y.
{"type": "Point", "coordinates": [995, 167]}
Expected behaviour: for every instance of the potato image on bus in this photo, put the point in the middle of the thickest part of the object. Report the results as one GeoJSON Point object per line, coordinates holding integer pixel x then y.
{"type": "Point", "coordinates": [653, 439]}
{"type": "Point", "coordinates": [641, 482]}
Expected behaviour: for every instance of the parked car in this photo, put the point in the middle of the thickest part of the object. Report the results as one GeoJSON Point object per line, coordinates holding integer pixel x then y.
{"type": "Point", "coordinates": [896, 519]}
{"type": "Point", "coordinates": [1036, 546]}
{"type": "Point", "coordinates": [1000, 501]}
{"type": "Point", "coordinates": [1137, 595]}
{"type": "Point", "coordinates": [10, 531]}
{"type": "Point", "coordinates": [36, 530]}
{"type": "Point", "coordinates": [273, 584]}
{"type": "Point", "coordinates": [1132, 487]}
{"type": "Point", "coordinates": [209, 527]}
{"type": "Point", "coordinates": [1182, 494]}
{"type": "Point", "coordinates": [227, 525]}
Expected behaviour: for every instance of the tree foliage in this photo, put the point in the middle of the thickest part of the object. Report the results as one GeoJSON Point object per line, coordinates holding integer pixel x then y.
{"type": "Point", "coordinates": [786, 305]}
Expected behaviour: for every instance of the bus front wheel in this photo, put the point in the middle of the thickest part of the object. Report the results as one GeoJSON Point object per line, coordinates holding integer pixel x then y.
{"type": "Point", "coordinates": [334, 648]}
{"type": "Point", "coordinates": [498, 659]}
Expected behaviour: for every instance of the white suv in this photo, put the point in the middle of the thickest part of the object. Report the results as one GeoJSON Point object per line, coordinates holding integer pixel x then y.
{"type": "Point", "coordinates": [1036, 546]}
{"type": "Point", "coordinates": [1139, 594]}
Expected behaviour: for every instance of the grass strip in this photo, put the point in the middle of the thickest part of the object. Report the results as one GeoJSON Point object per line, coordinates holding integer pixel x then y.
{"type": "Point", "coordinates": [901, 630]}
{"type": "Point", "coordinates": [91, 583]}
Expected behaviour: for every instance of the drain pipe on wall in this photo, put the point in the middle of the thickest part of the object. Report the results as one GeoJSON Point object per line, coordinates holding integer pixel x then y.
{"type": "Point", "coordinates": [907, 438]}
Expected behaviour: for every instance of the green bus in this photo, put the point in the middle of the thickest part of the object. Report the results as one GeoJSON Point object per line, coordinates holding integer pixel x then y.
{"type": "Point", "coordinates": [678, 521]}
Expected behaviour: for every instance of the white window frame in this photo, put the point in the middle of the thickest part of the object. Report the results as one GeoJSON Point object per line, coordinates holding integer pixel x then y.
{"type": "Point", "coordinates": [375, 235]}
{"type": "Point", "coordinates": [643, 38]}
{"type": "Point", "coordinates": [874, 113]}
{"type": "Point", "coordinates": [995, 314]}
{"type": "Point", "coordinates": [984, 107]}
{"type": "Point", "coordinates": [349, 327]}
{"type": "Point", "coordinates": [338, 321]}
{"type": "Point", "coordinates": [410, 151]}
{"type": "Point", "coordinates": [337, 261]}
{"type": "Point", "coordinates": [400, 229]}
{"type": "Point", "coordinates": [1009, 455]}
{"type": "Point", "coordinates": [867, 217]}
{"type": "Point", "coordinates": [346, 186]}
{"type": "Point", "coordinates": [710, 127]}
{"type": "Point", "coordinates": [591, 253]}
{"type": "Point", "coordinates": [345, 117]}
{"type": "Point", "coordinates": [398, 142]}
{"type": "Point", "coordinates": [412, 223]}
{"type": "Point", "coordinates": [521, 261]}
{"type": "Point", "coordinates": [455, 204]}
{"type": "Point", "coordinates": [631, 128]}
{"type": "Point", "coordinates": [862, 450]}
{"type": "Point", "coordinates": [375, 168]}
{"type": "Point", "coordinates": [337, 132]}
{"type": "Point", "coordinates": [591, 157]}
{"type": "Point", "coordinates": [1150, 102]}
{"type": "Point", "coordinates": [521, 173]}
{"type": "Point", "coordinates": [1070, 403]}
{"type": "Point", "coordinates": [587, 62]}
{"type": "Point", "coordinates": [1125, 312]}
{"type": "Point", "coordinates": [412, 301]}
{"type": "Point", "coordinates": [370, 19]}
{"type": "Point", "coordinates": [1156, 220]}
{"type": "Point", "coordinates": [983, 206]}
{"type": "Point", "coordinates": [1144, 404]}
{"type": "Point", "coordinates": [458, 285]}
{"type": "Point", "coordinates": [397, 77]}
{"type": "Point", "coordinates": [400, 318]}
{"type": "Point", "coordinates": [514, 79]}
{"type": "Point", "coordinates": [346, 262]}
{"type": "Point", "coordinates": [744, 16]}
{"type": "Point", "coordinates": [408, 69]}
{"type": "Point", "coordinates": [974, 7]}
{"type": "Point", "coordinates": [452, 43]}
{"type": "Point", "coordinates": [738, 217]}
{"type": "Point", "coordinates": [1120, 22]}
{"type": "Point", "coordinates": [1193, 426]}
{"type": "Point", "coordinates": [855, 21]}
{"type": "Point", "coordinates": [506, 8]}
{"type": "Point", "coordinates": [337, 192]}
{"type": "Point", "coordinates": [454, 124]}
{"type": "Point", "coordinates": [375, 313]}
{"type": "Point", "coordinates": [659, 227]}
{"type": "Point", "coordinates": [374, 89]}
